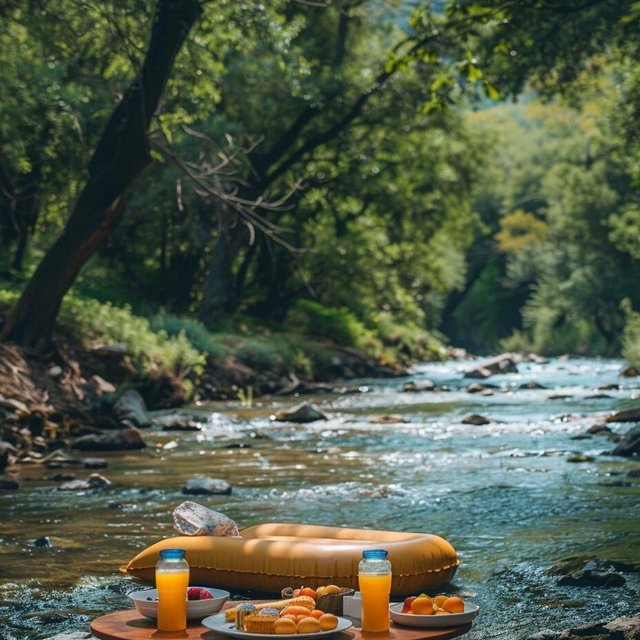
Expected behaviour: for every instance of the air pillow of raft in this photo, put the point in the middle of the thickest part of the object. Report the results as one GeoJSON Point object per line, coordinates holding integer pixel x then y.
{"type": "Point", "coordinates": [269, 557]}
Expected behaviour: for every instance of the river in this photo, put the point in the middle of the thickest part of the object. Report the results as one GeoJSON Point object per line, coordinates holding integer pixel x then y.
{"type": "Point", "coordinates": [505, 494]}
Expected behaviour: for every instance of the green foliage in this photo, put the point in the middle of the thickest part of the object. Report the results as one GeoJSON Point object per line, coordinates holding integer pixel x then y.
{"type": "Point", "coordinates": [513, 220]}
{"type": "Point", "coordinates": [562, 229]}
{"type": "Point", "coordinates": [518, 342]}
{"type": "Point", "coordinates": [336, 324]}
{"type": "Point", "coordinates": [518, 230]}
{"type": "Point", "coordinates": [93, 322]}
{"type": "Point", "coordinates": [198, 335]}
{"type": "Point", "coordinates": [631, 335]}
{"type": "Point", "coordinates": [625, 230]}
{"type": "Point", "coordinates": [408, 342]}
{"type": "Point", "coordinates": [264, 351]}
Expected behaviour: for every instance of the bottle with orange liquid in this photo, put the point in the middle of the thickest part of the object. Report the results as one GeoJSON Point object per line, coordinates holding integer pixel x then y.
{"type": "Point", "coordinates": [172, 581]}
{"type": "Point", "coordinates": [374, 578]}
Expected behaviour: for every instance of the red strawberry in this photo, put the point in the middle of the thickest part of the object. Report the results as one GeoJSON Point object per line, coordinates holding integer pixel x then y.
{"type": "Point", "coordinates": [194, 593]}
{"type": "Point", "coordinates": [205, 595]}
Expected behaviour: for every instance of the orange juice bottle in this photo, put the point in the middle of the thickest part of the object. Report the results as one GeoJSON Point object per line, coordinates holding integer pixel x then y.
{"type": "Point", "coordinates": [172, 581]}
{"type": "Point", "coordinates": [374, 580]}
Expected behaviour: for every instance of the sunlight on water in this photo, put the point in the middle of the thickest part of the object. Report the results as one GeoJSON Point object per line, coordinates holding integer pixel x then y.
{"type": "Point", "coordinates": [503, 493]}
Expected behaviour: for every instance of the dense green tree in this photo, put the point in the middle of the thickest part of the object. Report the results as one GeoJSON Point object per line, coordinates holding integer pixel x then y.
{"type": "Point", "coordinates": [312, 151]}
{"type": "Point", "coordinates": [121, 153]}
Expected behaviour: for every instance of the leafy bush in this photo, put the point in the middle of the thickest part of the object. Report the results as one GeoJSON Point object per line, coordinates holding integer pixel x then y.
{"type": "Point", "coordinates": [518, 341]}
{"type": "Point", "coordinates": [276, 353]}
{"type": "Point", "coordinates": [336, 324]}
{"type": "Point", "coordinates": [91, 322]}
{"type": "Point", "coordinates": [198, 335]}
{"type": "Point", "coordinates": [408, 341]}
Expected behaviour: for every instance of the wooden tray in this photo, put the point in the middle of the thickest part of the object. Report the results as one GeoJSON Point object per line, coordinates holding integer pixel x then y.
{"type": "Point", "coordinates": [130, 625]}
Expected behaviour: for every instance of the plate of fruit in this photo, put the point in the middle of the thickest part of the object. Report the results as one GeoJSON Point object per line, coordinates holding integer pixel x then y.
{"type": "Point", "coordinates": [433, 613]}
{"type": "Point", "coordinates": [201, 601]}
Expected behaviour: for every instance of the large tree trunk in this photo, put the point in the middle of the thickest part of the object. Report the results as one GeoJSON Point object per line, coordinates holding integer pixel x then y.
{"type": "Point", "coordinates": [120, 155]}
{"type": "Point", "coordinates": [218, 293]}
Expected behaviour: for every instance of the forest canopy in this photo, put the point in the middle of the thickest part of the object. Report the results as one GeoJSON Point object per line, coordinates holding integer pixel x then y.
{"type": "Point", "coordinates": [392, 175]}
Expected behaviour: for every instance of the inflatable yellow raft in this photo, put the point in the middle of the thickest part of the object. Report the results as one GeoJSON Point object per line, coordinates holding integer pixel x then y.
{"type": "Point", "coordinates": [270, 557]}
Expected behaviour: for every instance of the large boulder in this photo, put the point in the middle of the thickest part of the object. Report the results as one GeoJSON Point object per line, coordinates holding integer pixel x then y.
{"type": "Point", "coordinates": [131, 409]}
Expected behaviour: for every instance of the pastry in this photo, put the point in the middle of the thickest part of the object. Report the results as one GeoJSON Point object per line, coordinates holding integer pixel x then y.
{"type": "Point", "coordinates": [241, 612]}
{"type": "Point", "coordinates": [259, 623]}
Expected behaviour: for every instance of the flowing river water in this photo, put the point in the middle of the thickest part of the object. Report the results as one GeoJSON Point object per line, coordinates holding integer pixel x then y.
{"type": "Point", "coordinates": [505, 494]}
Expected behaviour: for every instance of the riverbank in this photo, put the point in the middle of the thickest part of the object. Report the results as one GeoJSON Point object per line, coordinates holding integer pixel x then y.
{"type": "Point", "coordinates": [48, 400]}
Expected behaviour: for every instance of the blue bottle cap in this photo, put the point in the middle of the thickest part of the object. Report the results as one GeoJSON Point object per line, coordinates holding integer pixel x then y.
{"type": "Point", "coordinates": [375, 554]}
{"type": "Point", "coordinates": [172, 554]}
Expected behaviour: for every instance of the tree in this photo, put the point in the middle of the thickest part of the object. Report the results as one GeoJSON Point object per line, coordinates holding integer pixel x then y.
{"type": "Point", "coordinates": [344, 78]}
{"type": "Point", "coordinates": [120, 155]}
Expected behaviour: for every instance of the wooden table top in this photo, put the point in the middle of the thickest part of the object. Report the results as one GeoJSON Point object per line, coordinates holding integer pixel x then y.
{"type": "Point", "coordinates": [130, 625]}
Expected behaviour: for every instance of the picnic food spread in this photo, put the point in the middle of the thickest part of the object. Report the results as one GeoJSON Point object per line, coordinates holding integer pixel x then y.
{"type": "Point", "coordinates": [296, 615]}
{"type": "Point", "coordinates": [265, 557]}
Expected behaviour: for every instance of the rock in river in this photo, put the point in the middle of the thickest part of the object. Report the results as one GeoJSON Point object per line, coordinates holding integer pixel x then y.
{"type": "Point", "coordinates": [475, 418]}
{"type": "Point", "coordinates": [419, 385]}
{"type": "Point", "coordinates": [591, 572]}
{"type": "Point", "coordinates": [121, 440]}
{"type": "Point", "coordinates": [389, 418]}
{"type": "Point", "coordinates": [192, 519]}
{"type": "Point", "coordinates": [95, 481]}
{"type": "Point", "coordinates": [618, 629]}
{"type": "Point", "coordinates": [626, 415]}
{"type": "Point", "coordinates": [302, 412]}
{"type": "Point", "coordinates": [504, 363]}
{"type": "Point", "coordinates": [207, 486]}
{"type": "Point", "coordinates": [630, 443]}
{"type": "Point", "coordinates": [130, 409]}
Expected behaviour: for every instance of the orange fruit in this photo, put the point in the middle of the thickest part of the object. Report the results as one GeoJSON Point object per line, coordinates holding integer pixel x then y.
{"type": "Point", "coordinates": [439, 600]}
{"type": "Point", "coordinates": [308, 591]}
{"type": "Point", "coordinates": [331, 588]}
{"type": "Point", "coordinates": [309, 625]}
{"type": "Point", "coordinates": [422, 605]}
{"type": "Point", "coordinates": [285, 626]}
{"type": "Point", "coordinates": [328, 621]}
{"type": "Point", "coordinates": [296, 610]}
{"type": "Point", "coordinates": [453, 605]}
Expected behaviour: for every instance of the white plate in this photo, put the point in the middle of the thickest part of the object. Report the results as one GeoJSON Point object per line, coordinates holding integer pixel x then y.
{"type": "Point", "coordinates": [220, 624]}
{"type": "Point", "coordinates": [433, 621]}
